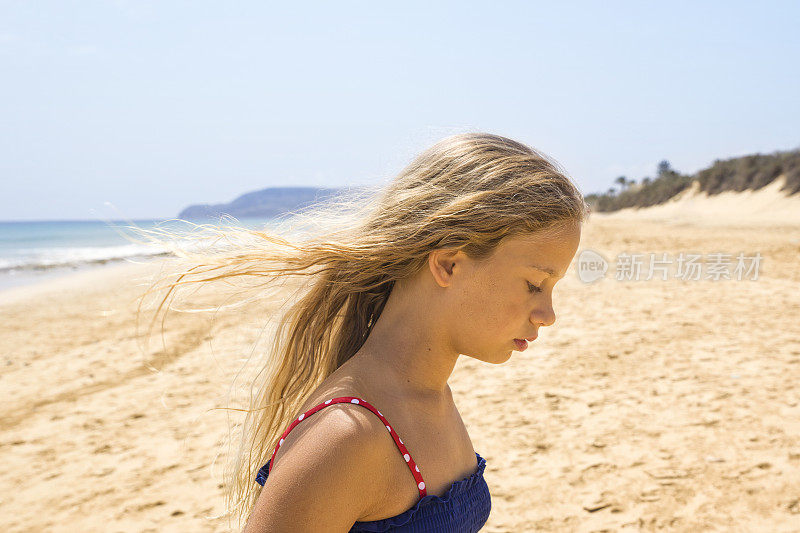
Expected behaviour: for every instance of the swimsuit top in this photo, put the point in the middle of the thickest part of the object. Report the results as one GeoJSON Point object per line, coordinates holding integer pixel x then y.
{"type": "Point", "coordinates": [464, 507]}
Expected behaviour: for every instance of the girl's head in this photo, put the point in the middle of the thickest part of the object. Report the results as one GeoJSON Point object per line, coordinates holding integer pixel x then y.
{"type": "Point", "coordinates": [460, 228]}
{"type": "Point", "coordinates": [472, 215]}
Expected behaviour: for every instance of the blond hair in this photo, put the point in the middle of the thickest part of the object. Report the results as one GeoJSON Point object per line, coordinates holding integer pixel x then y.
{"type": "Point", "coordinates": [467, 192]}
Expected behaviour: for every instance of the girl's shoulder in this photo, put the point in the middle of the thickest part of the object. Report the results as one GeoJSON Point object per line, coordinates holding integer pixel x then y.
{"type": "Point", "coordinates": [325, 466]}
{"type": "Point", "coordinates": [336, 420]}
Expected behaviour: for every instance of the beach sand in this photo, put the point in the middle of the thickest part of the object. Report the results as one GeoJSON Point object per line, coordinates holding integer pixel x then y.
{"type": "Point", "coordinates": [649, 405]}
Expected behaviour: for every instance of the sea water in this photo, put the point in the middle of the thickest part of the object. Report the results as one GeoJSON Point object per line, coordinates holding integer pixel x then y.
{"type": "Point", "coordinates": [33, 250]}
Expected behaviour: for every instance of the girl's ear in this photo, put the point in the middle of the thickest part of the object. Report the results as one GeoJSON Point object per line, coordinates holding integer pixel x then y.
{"type": "Point", "coordinates": [442, 263]}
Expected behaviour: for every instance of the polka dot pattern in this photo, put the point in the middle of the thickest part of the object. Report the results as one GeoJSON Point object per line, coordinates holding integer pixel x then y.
{"type": "Point", "coordinates": [358, 401]}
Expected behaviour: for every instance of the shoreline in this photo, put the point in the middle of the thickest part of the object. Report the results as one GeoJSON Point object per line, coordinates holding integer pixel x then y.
{"type": "Point", "coordinates": [30, 285]}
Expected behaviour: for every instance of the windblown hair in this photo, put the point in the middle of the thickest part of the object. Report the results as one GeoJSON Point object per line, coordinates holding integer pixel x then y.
{"type": "Point", "coordinates": [468, 191]}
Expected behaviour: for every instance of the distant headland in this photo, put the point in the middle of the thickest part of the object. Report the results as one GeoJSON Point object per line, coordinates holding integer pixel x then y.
{"type": "Point", "coordinates": [266, 203]}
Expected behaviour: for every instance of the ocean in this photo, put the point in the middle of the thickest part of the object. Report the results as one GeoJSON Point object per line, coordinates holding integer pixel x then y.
{"type": "Point", "coordinates": [34, 250]}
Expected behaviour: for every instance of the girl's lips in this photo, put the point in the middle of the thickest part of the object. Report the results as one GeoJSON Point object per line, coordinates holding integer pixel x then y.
{"type": "Point", "coordinates": [522, 344]}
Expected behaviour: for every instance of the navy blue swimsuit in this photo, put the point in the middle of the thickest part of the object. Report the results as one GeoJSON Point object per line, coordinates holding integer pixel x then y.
{"type": "Point", "coordinates": [464, 508]}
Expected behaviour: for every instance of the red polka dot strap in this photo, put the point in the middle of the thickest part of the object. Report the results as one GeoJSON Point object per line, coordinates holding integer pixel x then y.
{"type": "Point", "coordinates": [358, 401]}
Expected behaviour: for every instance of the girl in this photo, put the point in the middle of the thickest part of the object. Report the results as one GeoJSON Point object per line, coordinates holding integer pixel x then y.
{"type": "Point", "coordinates": [353, 427]}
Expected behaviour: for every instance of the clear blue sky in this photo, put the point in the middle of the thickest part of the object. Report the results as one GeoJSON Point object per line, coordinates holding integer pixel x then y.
{"type": "Point", "coordinates": [153, 106]}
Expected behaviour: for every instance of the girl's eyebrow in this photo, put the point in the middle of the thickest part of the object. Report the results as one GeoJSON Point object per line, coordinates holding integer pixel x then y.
{"type": "Point", "coordinates": [549, 271]}
{"type": "Point", "coordinates": [543, 269]}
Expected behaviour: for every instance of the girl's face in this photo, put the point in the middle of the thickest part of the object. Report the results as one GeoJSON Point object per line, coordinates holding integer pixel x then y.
{"type": "Point", "coordinates": [509, 295]}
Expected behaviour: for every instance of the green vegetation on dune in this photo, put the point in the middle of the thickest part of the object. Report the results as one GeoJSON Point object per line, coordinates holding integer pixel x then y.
{"type": "Point", "coordinates": [738, 174]}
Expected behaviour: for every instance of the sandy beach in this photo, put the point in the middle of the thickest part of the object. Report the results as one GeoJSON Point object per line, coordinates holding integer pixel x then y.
{"type": "Point", "coordinates": [649, 405]}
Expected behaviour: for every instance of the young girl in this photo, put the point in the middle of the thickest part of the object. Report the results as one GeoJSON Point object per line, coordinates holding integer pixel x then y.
{"type": "Point", "coordinates": [354, 427]}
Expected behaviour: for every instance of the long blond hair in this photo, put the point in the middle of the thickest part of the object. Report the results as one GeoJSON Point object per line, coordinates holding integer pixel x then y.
{"type": "Point", "coordinates": [468, 192]}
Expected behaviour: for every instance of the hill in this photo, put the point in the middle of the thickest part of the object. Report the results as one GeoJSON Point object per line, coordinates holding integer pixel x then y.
{"type": "Point", "coordinates": [266, 203]}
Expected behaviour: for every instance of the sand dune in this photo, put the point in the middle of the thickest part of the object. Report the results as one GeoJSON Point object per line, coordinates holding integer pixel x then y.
{"type": "Point", "coordinates": [766, 206]}
{"type": "Point", "coordinates": [650, 405]}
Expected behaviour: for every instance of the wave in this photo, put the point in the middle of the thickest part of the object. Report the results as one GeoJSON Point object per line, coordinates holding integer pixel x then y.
{"type": "Point", "coordinates": [32, 258]}
{"type": "Point", "coordinates": [37, 259]}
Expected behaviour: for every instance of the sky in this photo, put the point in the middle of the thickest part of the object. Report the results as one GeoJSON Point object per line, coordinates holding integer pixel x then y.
{"type": "Point", "coordinates": [137, 109]}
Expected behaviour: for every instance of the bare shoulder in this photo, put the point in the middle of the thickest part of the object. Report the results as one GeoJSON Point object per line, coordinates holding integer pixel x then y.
{"type": "Point", "coordinates": [330, 471]}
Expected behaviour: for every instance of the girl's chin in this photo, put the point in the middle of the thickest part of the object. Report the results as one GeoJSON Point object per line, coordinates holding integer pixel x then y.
{"type": "Point", "coordinates": [499, 358]}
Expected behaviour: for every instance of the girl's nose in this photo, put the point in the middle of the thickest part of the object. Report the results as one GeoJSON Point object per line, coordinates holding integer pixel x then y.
{"type": "Point", "coordinates": [544, 317]}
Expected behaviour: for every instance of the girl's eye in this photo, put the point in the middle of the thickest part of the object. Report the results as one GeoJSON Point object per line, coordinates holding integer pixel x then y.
{"type": "Point", "coordinates": [533, 288]}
